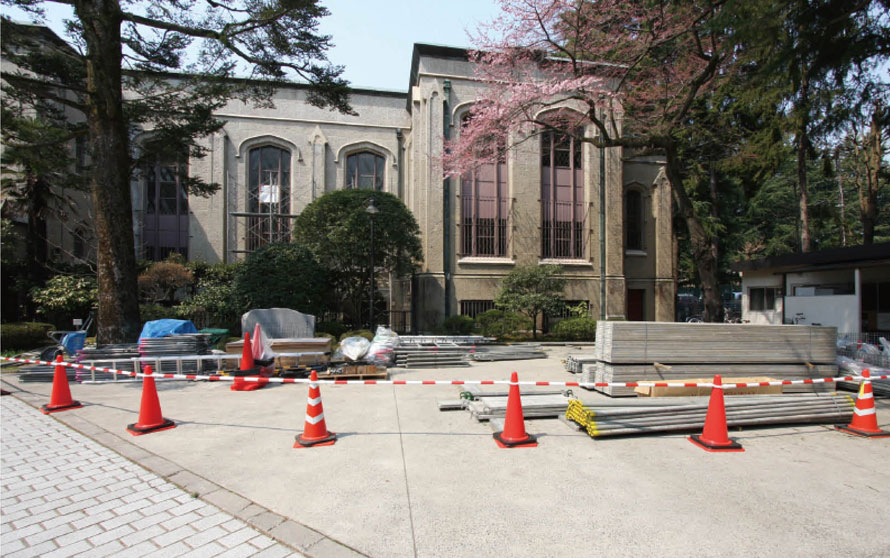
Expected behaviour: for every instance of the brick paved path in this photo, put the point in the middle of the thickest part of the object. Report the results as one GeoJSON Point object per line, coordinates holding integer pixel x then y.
{"type": "Point", "coordinates": [65, 495]}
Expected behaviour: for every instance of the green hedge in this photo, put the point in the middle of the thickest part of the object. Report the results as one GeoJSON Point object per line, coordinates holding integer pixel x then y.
{"type": "Point", "coordinates": [458, 325]}
{"type": "Point", "coordinates": [575, 329]}
{"type": "Point", "coordinates": [25, 335]}
{"type": "Point", "coordinates": [335, 329]}
{"type": "Point", "coordinates": [497, 323]}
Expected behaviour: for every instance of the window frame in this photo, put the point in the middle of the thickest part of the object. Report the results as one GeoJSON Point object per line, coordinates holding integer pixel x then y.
{"type": "Point", "coordinates": [379, 171]}
{"type": "Point", "coordinates": [553, 234]}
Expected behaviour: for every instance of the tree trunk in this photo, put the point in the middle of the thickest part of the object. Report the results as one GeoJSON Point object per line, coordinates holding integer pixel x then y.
{"type": "Point", "coordinates": [118, 317]}
{"type": "Point", "coordinates": [873, 155]}
{"type": "Point", "coordinates": [35, 243]}
{"type": "Point", "coordinates": [804, 113]}
{"type": "Point", "coordinates": [704, 248]}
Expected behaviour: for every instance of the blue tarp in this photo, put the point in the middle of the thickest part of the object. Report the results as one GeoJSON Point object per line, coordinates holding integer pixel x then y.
{"type": "Point", "coordinates": [165, 327]}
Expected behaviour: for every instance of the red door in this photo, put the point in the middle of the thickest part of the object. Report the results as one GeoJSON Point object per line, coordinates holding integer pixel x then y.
{"type": "Point", "coordinates": [635, 299]}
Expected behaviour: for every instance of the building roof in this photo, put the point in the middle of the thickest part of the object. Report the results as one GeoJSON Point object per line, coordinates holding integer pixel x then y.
{"type": "Point", "coordinates": [851, 256]}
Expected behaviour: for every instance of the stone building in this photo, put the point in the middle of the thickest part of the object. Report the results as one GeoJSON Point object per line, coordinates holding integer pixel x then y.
{"type": "Point", "coordinates": [540, 205]}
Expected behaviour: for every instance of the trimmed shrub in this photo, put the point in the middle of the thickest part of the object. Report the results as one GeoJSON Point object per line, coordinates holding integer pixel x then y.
{"type": "Point", "coordinates": [283, 275]}
{"type": "Point", "coordinates": [214, 303]}
{"type": "Point", "coordinates": [497, 323]}
{"type": "Point", "coordinates": [366, 333]}
{"type": "Point", "coordinates": [335, 329]}
{"type": "Point", "coordinates": [25, 335]}
{"type": "Point", "coordinates": [161, 281]}
{"type": "Point", "coordinates": [458, 325]}
{"type": "Point", "coordinates": [151, 312]}
{"type": "Point", "coordinates": [575, 329]}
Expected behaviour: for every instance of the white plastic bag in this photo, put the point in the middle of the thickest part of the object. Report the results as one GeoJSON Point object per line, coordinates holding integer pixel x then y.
{"type": "Point", "coordinates": [354, 348]}
{"type": "Point", "coordinates": [383, 346]}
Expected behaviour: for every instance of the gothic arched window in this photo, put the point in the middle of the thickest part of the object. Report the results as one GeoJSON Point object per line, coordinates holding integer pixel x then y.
{"type": "Point", "coordinates": [364, 170]}
{"type": "Point", "coordinates": [268, 196]}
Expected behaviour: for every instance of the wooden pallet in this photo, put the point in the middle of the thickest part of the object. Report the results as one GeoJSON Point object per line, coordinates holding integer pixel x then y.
{"type": "Point", "coordinates": [357, 372]}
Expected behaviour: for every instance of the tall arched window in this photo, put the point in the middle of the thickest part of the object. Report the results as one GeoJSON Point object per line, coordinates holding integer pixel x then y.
{"type": "Point", "coordinates": [633, 220]}
{"type": "Point", "coordinates": [165, 224]}
{"type": "Point", "coordinates": [268, 196]}
{"type": "Point", "coordinates": [484, 208]}
{"type": "Point", "coordinates": [562, 197]}
{"type": "Point", "coordinates": [364, 170]}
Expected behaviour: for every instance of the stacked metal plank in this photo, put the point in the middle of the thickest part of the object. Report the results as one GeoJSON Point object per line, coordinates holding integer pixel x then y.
{"type": "Point", "coordinates": [492, 405]}
{"type": "Point", "coordinates": [188, 344]}
{"type": "Point", "coordinates": [431, 356]}
{"type": "Point", "coordinates": [665, 351]}
{"type": "Point", "coordinates": [444, 340]}
{"type": "Point", "coordinates": [575, 363]}
{"type": "Point", "coordinates": [683, 414]}
{"type": "Point", "coordinates": [508, 352]}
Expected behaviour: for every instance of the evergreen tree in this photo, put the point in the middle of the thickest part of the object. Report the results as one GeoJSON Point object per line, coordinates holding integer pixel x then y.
{"type": "Point", "coordinates": [132, 48]}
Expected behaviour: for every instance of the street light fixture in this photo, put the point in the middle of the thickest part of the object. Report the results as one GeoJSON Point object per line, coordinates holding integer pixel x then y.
{"type": "Point", "coordinates": [371, 210]}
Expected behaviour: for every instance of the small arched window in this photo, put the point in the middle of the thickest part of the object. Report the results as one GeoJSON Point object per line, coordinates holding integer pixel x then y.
{"type": "Point", "coordinates": [633, 220]}
{"type": "Point", "coordinates": [364, 170]}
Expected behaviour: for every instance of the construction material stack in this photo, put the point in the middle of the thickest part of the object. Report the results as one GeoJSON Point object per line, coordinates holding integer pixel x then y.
{"type": "Point", "coordinates": [178, 345]}
{"type": "Point", "coordinates": [666, 351]}
{"type": "Point", "coordinates": [318, 351]}
{"type": "Point", "coordinates": [688, 414]}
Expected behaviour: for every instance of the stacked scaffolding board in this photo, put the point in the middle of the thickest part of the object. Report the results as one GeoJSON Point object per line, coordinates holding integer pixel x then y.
{"type": "Point", "coordinates": [665, 351]}
{"type": "Point", "coordinates": [688, 414]}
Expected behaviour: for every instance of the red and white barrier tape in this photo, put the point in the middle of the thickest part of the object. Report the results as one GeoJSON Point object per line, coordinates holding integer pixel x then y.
{"type": "Point", "coordinates": [262, 380]}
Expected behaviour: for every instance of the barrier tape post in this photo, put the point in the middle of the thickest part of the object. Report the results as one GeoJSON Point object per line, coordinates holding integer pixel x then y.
{"type": "Point", "coordinates": [865, 421]}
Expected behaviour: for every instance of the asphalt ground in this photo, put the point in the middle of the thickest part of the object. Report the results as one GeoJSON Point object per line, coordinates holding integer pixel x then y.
{"type": "Point", "coordinates": [405, 479]}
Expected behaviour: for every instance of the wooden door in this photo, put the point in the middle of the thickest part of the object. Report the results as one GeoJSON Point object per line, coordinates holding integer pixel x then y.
{"type": "Point", "coordinates": [635, 299]}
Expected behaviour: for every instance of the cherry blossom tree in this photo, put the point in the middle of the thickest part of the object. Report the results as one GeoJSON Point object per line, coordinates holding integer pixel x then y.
{"type": "Point", "coordinates": [633, 70]}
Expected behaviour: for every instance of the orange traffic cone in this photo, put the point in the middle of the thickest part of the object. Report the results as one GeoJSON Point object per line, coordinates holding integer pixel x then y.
{"type": "Point", "coordinates": [315, 432]}
{"type": "Point", "coordinates": [247, 368]}
{"type": "Point", "coordinates": [715, 436]}
{"type": "Point", "coordinates": [60, 399]}
{"type": "Point", "coordinates": [865, 422]}
{"type": "Point", "coordinates": [150, 417]}
{"type": "Point", "coordinates": [514, 435]}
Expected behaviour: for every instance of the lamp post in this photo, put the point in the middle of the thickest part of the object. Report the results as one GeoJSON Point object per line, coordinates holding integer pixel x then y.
{"type": "Point", "coordinates": [371, 211]}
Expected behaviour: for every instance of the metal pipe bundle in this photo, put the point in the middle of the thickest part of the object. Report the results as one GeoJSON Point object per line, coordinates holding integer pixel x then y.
{"type": "Point", "coordinates": [740, 411]}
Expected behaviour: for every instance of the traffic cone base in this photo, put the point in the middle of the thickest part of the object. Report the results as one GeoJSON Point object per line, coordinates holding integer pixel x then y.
{"type": "Point", "coordinates": [137, 430]}
{"type": "Point", "coordinates": [863, 433]}
{"type": "Point", "coordinates": [708, 446]}
{"type": "Point", "coordinates": [47, 409]}
{"type": "Point", "coordinates": [328, 440]}
{"type": "Point", "coordinates": [529, 442]}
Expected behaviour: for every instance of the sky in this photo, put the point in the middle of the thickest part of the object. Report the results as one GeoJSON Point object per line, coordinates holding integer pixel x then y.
{"type": "Point", "coordinates": [373, 38]}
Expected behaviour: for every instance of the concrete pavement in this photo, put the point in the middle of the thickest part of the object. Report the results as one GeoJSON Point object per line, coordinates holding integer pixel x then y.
{"type": "Point", "coordinates": [407, 480]}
